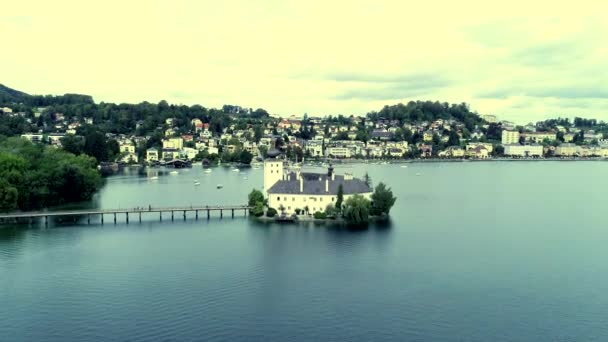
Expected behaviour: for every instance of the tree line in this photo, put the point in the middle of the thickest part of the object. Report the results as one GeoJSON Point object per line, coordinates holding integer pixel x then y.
{"type": "Point", "coordinates": [34, 176]}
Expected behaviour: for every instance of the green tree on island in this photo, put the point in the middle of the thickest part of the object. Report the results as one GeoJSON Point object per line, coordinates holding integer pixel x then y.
{"type": "Point", "coordinates": [339, 198]}
{"type": "Point", "coordinates": [357, 210]}
{"type": "Point", "coordinates": [382, 200]}
{"type": "Point", "coordinates": [256, 203]}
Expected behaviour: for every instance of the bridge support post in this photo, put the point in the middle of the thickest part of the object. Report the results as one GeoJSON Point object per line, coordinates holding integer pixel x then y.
{"type": "Point", "coordinates": [196, 214]}
{"type": "Point", "coordinates": [114, 218]}
{"type": "Point", "coordinates": [127, 217]}
{"type": "Point", "coordinates": [160, 215]}
{"type": "Point", "coordinates": [208, 216]}
{"type": "Point", "coordinates": [232, 213]}
{"type": "Point", "coordinates": [171, 215]}
{"type": "Point", "coordinates": [89, 219]}
{"type": "Point", "coordinates": [221, 213]}
{"type": "Point", "coordinates": [184, 215]}
{"type": "Point", "coordinates": [46, 220]}
{"type": "Point", "coordinates": [140, 217]}
{"type": "Point", "coordinates": [101, 218]}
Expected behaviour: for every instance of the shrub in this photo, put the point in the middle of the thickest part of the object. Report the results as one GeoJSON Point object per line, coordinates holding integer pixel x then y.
{"type": "Point", "coordinates": [271, 212]}
{"type": "Point", "coordinates": [320, 216]}
{"type": "Point", "coordinates": [257, 210]}
{"type": "Point", "coordinates": [356, 210]}
{"type": "Point", "coordinates": [298, 211]}
{"type": "Point", "coordinates": [331, 211]}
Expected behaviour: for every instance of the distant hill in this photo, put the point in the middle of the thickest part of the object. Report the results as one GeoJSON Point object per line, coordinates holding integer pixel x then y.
{"type": "Point", "coordinates": [11, 95]}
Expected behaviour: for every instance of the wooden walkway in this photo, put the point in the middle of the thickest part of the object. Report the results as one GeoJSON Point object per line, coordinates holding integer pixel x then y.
{"type": "Point", "coordinates": [137, 211]}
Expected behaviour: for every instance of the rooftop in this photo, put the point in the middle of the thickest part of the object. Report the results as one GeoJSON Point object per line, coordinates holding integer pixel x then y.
{"type": "Point", "coordinates": [314, 184]}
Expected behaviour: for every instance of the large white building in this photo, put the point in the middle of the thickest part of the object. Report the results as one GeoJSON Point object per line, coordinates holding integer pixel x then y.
{"type": "Point", "coordinates": [518, 150]}
{"type": "Point", "coordinates": [290, 190]}
{"type": "Point", "coordinates": [510, 137]}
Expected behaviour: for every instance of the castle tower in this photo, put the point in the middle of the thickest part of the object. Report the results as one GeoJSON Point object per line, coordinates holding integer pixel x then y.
{"type": "Point", "coordinates": [273, 169]}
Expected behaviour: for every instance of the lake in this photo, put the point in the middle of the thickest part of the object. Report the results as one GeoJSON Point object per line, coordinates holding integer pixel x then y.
{"type": "Point", "coordinates": [475, 251]}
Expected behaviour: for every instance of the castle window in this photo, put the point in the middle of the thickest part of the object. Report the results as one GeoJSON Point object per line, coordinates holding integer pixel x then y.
{"type": "Point", "coordinates": [284, 198]}
{"type": "Point", "coordinates": [332, 199]}
{"type": "Point", "coordinates": [278, 198]}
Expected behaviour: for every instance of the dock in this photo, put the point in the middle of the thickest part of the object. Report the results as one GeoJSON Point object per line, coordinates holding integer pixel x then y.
{"type": "Point", "coordinates": [127, 213]}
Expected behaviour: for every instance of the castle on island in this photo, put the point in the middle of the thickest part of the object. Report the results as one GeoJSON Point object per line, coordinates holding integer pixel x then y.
{"type": "Point", "coordinates": [292, 189]}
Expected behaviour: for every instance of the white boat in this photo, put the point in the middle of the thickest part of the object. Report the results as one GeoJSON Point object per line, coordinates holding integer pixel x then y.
{"type": "Point", "coordinates": [173, 172]}
{"type": "Point", "coordinates": [154, 178]}
{"type": "Point", "coordinates": [236, 170]}
{"type": "Point", "coordinates": [219, 186]}
{"type": "Point", "coordinates": [245, 177]}
{"type": "Point", "coordinates": [404, 166]}
{"type": "Point", "coordinates": [207, 171]}
{"type": "Point", "coordinates": [197, 183]}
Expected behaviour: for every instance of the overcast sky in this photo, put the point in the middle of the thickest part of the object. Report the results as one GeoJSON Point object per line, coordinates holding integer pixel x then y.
{"type": "Point", "coordinates": [520, 60]}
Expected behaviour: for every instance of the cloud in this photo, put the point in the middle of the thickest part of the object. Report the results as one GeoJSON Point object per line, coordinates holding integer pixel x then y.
{"type": "Point", "coordinates": [521, 59]}
{"type": "Point", "coordinates": [377, 87]}
{"type": "Point", "coordinates": [552, 54]}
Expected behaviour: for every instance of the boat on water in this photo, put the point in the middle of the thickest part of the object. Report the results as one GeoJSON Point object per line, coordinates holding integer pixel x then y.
{"type": "Point", "coordinates": [173, 172]}
{"type": "Point", "coordinates": [154, 178]}
{"type": "Point", "coordinates": [245, 177]}
{"type": "Point", "coordinates": [236, 170]}
{"type": "Point", "coordinates": [403, 166]}
{"type": "Point", "coordinates": [207, 171]}
{"type": "Point", "coordinates": [197, 183]}
{"type": "Point", "coordinates": [219, 186]}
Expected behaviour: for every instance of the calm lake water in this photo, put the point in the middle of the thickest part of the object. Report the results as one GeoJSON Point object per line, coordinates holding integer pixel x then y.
{"type": "Point", "coordinates": [504, 251]}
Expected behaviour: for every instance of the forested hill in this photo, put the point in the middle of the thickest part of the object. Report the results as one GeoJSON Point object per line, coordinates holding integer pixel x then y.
{"type": "Point", "coordinates": [418, 111]}
{"type": "Point", "coordinates": [8, 95]}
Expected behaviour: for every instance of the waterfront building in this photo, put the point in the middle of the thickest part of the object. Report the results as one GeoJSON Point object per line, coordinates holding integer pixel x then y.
{"type": "Point", "coordinates": [452, 152]}
{"type": "Point", "coordinates": [152, 155]}
{"type": "Point", "coordinates": [314, 147]}
{"type": "Point", "coordinates": [488, 146]}
{"type": "Point", "coordinates": [478, 152]}
{"type": "Point", "coordinates": [518, 150]}
{"type": "Point", "coordinates": [510, 137]}
{"type": "Point", "coordinates": [288, 190]}
{"type": "Point", "coordinates": [565, 150]}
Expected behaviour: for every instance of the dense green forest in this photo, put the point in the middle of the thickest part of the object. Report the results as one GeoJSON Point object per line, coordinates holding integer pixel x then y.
{"type": "Point", "coordinates": [34, 176]}
{"type": "Point", "coordinates": [418, 111]}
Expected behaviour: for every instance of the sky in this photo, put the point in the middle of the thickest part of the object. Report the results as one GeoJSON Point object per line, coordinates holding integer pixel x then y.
{"type": "Point", "coordinates": [519, 60]}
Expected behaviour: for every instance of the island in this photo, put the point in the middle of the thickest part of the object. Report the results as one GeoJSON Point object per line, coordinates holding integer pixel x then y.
{"type": "Point", "coordinates": [293, 195]}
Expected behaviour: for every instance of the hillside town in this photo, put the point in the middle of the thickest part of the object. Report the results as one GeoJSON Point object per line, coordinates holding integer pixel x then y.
{"type": "Point", "coordinates": [244, 138]}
